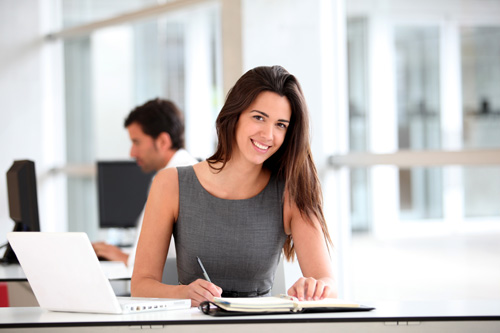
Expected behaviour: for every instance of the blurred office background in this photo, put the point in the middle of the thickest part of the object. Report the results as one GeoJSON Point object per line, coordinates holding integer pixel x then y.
{"type": "Point", "coordinates": [404, 99]}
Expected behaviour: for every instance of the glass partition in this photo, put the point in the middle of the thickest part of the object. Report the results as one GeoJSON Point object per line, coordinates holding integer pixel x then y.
{"type": "Point", "coordinates": [423, 77]}
{"type": "Point", "coordinates": [418, 113]}
{"type": "Point", "coordinates": [480, 65]}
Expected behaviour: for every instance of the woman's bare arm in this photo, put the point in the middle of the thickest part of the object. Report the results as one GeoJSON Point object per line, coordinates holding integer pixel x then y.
{"type": "Point", "coordinates": [160, 215]}
{"type": "Point", "coordinates": [312, 253]}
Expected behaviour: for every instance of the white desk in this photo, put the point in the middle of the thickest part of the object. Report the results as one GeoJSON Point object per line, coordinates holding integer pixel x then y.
{"type": "Point", "coordinates": [114, 270]}
{"type": "Point", "coordinates": [458, 316]}
{"type": "Point", "coordinates": [12, 273]}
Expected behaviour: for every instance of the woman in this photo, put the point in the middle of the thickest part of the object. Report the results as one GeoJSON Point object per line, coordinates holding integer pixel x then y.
{"type": "Point", "coordinates": [258, 194]}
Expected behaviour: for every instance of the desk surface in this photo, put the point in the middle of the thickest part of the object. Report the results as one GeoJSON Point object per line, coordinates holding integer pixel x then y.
{"type": "Point", "coordinates": [385, 314]}
{"type": "Point", "coordinates": [114, 270]}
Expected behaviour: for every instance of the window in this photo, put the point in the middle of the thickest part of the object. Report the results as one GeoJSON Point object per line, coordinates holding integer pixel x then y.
{"type": "Point", "coordinates": [480, 68]}
{"type": "Point", "coordinates": [422, 79]}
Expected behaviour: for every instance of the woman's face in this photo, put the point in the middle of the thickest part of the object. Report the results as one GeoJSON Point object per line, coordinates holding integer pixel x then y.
{"type": "Point", "coordinates": [262, 127]}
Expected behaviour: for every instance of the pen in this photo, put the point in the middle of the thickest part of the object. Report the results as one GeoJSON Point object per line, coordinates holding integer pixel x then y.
{"type": "Point", "coordinates": [203, 269]}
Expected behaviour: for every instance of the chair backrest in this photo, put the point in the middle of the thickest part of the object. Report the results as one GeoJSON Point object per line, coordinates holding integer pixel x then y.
{"type": "Point", "coordinates": [279, 286]}
{"type": "Point", "coordinates": [170, 271]}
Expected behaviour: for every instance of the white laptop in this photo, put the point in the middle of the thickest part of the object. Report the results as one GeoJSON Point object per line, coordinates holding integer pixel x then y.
{"type": "Point", "coordinates": [65, 275]}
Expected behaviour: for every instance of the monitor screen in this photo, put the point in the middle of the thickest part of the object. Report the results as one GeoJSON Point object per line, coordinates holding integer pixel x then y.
{"type": "Point", "coordinates": [122, 191]}
{"type": "Point", "coordinates": [23, 200]}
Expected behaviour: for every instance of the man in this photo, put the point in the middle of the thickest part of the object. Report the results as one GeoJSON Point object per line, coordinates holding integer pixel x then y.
{"type": "Point", "coordinates": [156, 130]}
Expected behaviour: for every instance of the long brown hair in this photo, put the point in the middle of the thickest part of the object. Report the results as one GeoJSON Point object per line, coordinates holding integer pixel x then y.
{"type": "Point", "coordinates": [293, 162]}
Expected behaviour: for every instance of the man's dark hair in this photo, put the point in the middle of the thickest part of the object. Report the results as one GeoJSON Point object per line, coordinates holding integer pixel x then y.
{"type": "Point", "coordinates": [157, 116]}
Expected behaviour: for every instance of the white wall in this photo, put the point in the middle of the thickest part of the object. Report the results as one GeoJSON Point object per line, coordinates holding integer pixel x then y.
{"type": "Point", "coordinates": [31, 126]}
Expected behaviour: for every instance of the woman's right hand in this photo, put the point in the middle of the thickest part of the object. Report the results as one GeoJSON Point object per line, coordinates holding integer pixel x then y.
{"type": "Point", "coordinates": [201, 290]}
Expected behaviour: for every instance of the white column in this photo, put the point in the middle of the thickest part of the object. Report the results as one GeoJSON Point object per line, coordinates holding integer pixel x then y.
{"type": "Point", "coordinates": [200, 119]}
{"type": "Point", "coordinates": [52, 187]}
{"type": "Point", "coordinates": [232, 43]}
{"type": "Point", "coordinates": [451, 120]}
{"type": "Point", "coordinates": [383, 125]}
{"type": "Point", "coordinates": [335, 136]}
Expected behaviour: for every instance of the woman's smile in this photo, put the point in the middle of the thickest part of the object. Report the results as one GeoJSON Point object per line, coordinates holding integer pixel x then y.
{"type": "Point", "coordinates": [261, 147]}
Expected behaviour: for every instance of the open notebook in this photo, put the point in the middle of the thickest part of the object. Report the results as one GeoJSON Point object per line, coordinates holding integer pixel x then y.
{"type": "Point", "coordinates": [223, 306]}
{"type": "Point", "coordinates": [65, 275]}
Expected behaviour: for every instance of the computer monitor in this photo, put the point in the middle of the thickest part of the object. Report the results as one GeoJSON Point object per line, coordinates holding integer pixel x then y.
{"type": "Point", "coordinates": [23, 201]}
{"type": "Point", "coordinates": [122, 191]}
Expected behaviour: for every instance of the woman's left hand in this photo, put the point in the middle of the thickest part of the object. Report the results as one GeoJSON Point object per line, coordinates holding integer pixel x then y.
{"type": "Point", "coordinates": [311, 289]}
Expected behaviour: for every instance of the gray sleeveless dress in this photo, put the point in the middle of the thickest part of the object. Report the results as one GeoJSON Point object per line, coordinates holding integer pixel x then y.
{"type": "Point", "coordinates": [238, 241]}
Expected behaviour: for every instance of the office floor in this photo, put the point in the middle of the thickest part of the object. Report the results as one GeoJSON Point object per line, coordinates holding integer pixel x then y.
{"type": "Point", "coordinates": [457, 267]}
